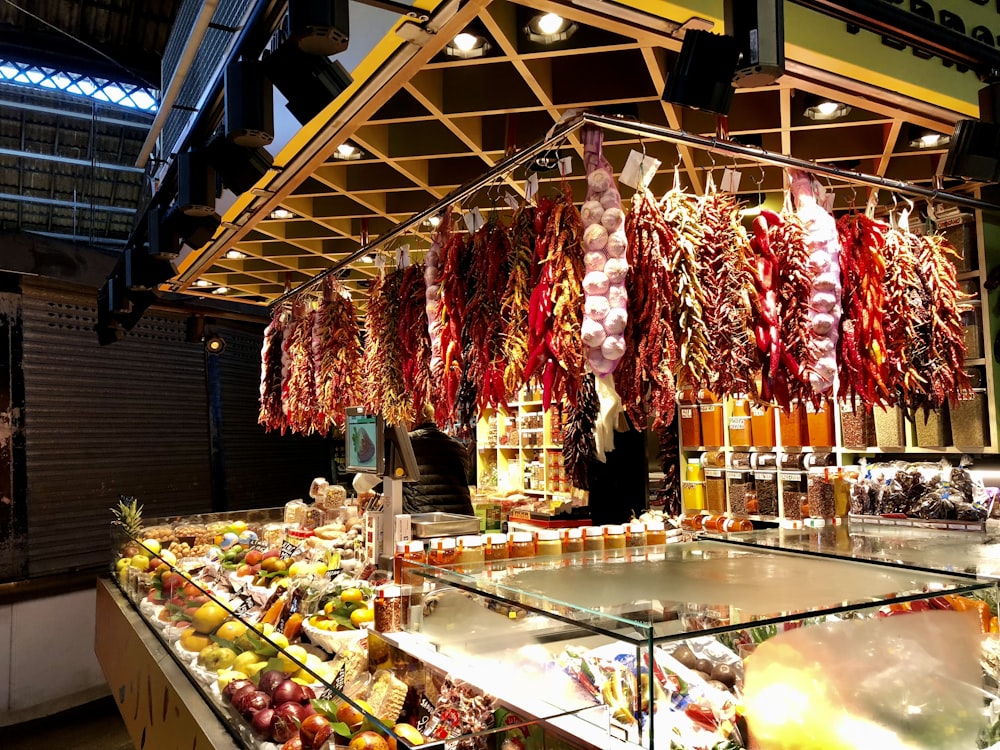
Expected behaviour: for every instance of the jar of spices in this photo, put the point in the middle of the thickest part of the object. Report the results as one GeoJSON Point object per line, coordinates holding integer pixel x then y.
{"type": "Point", "coordinates": [766, 486]}
{"type": "Point", "coordinates": [442, 551]}
{"type": "Point", "coordinates": [593, 539]}
{"type": "Point", "coordinates": [572, 540]}
{"type": "Point", "coordinates": [712, 423]}
{"type": "Point", "coordinates": [414, 554]}
{"type": "Point", "coordinates": [715, 491]}
{"type": "Point", "coordinates": [469, 554]}
{"type": "Point", "coordinates": [388, 609]}
{"type": "Point", "coordinates": [656, 533]}
{"type": "Point", "coordinates": [547, 543]}
{"type": "Point", "coordinates": [740, 433]}
{"type": "Point", "coordinates": [819, 424]}
{"type": "Point", "coordinates": [791, 425]}
{"type": "Point", "coordinates": [762, 425]}
{"type": "Point", "coordinates": [793, 495]}
{"type": "Point", "coordinates": [713, 523]}
{"type": "Point", "coordinates": [521, 545]}
{"type": "Point", "coordinates": [690, 421]}
{"type": "Point", "coordinates": [614, 540]}
{"type": "Point", "coordinates": [693, 496]}
{"type": "Point", "coordinates": [821, 503]}
{"type": "Point", "coordinates": [739, 483]}
{"type": "Point", "coordinates": [496, 547]}
{"type": "Point", "coordinates": [694, 522]}
{"type": "Point", "coordinates": [731, 525]}
{"type": "Point", "coordinates": [635, 534]}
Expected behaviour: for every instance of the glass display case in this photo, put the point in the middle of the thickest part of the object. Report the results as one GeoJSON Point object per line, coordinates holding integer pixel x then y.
{"type": "Point", "coordinates": [622, 647]}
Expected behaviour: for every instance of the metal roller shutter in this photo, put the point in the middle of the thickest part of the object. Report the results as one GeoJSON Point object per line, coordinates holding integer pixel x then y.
{"type": "Point", "coordinates": [99, 421]}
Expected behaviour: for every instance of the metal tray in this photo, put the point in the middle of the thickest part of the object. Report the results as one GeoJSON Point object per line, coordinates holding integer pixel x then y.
{"type": "Point", "coordinates": [426, 525]}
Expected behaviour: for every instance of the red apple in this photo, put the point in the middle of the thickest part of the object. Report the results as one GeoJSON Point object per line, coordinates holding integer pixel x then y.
{"type": "Point", "coordinates": [293, 744]}
{"type": "Point", "coordinates": [270, 553]}
{"type": "Point", "coordinates": [288, 691]}
{"type": "Point", "coordinates": [315, 730]}
{"type": "Point", "coordinates": [236, 688]}
{"type": "Point", "coordinates": [368, 740]}
{"type": "Point", "coordinates": [261, 724]}
{"type": "Point", "coordinates": [285, 723]}
{"type": "Point", "coordinates": [249, 703]}
{"type": "Point", "coordinates": [269, 680]}
{"type": "Point", "coordinates": [253, 557]}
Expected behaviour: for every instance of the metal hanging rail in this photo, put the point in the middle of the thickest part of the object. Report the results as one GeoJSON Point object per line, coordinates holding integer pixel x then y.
{"type": "Point", "coordinates": [643, 130]}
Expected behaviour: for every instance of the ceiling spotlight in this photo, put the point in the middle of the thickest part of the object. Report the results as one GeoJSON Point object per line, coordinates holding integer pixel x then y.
{"type": "Point", "coordinates": [433, 221]}
{"type": "Point", "coordinates": [545, 161]}
{"type": "Point", "coordinates": [282, 213]}
{"type": "Point", "coordinates": [215, 344]}
{"type": "Point", "coordinates": [549, 28]}
{"type": "Point", "coordinates": [235, 255]}
{"type": "Point", "coordinates": [368, 258]}
{"type": "Point", "coordinates": [203, 283]}
{"type": "Point", "coordinates": [926, 138]}
{"type": "Point", "coordinates": [221, 290]}
{"type": "Point", "coordinates": [466, 46]}
{"type": "Point", "coordinates": [347, 152]}
{"type": "Point", "coordinates": [827, 110]}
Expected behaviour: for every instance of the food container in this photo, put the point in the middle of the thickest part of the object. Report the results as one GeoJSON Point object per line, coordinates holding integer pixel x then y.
{"type": "Point", "coordinates": [889, 427]}
{"type": "Point", "coordinates": [656, 533]}
{"type": "Point", "coordinates": [572, 540]}
{"type": "Point", "coordinates": [932, 429]}
{"type": "Point", "coordinates": [442, 551]}
{"type": "Point", "coordinates": [693, 471]}
{"type": "Point", "coordinates": [593, 539]}
{"type": "Point", "coordinates": [388, 609]}
{"type": "Point", "coordinates": [842, 491]}
{"type": "Point", "coordinates": [496, 547]}
{"type": "Point", "coordinates": [740, 433]}
{"type": "Point", "coordinates": [614, 540]}
{"type": "Point", "coordinates": [792, 460]}
{"type": "Point", "coordinates": [822, 499]}
{"type": "Point", "coordinates": [968, 421]}
{"type": "Point", "coordinates": [820, 458]}
{"type": "Point", "coordinates": [470, 551]}
{"type": "Point", "coordinates": [794, 498]}
{"type": "Point", "coordinates": [716, 459]}
{"type": "Point", "coordinates": [411, 553]}
{"type": "Point", "coordinates": [764, 460]}
{"type": "Point", "coordinates": [690, 419]}
{"type": "Point", "coordinates": [547, 543]}
{"type": "Point", "coordinates": [740, 460]}
{"type": "Point", "coordinates": [739, 483]}
{"type": "Point", "coordinates": [766, 486]}
{"type": "Point", "coordinates": [712, 422]}
{"type": "Point", "coordinates": [972, 332]}
{"type": "Point", "coordinates": [427, 525]}
{"type": "Point", "coordinates": [792, 425]}
{"type": "Point", "coordinates": [521, 545]}
{"type": "Point", "coordinates": [857, 426]}
{"type": "Point", "coordinates": [635, 534]}
{"type": "Point", "coordinates": [961, 233]}
{"type": "Point", "coordinates": [693, 496]}
{"type": "Point", "coordinates": [762, 425]}
{"type": "Point", "coordinates": [715, 491]}
{"type": "Point", "coordinates": [819, 425]}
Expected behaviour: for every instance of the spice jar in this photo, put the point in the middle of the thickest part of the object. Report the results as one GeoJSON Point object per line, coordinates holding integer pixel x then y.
{"type": "Point", "coordinates": [593, 539]}
{"type": "Point", "coordinates": [388, 609]}
{"type": "Point", "coordinates": [521, 545]}
{"type": "Point", "coordinates": [690, 421]}
{"type": "Point", "coordinates": [753, 505]}
{"type": "Point", "coordinates": [740, 432]}
{"type": "Point", "coordinates": [470, 554]}
{"type": "Point", "coordinates": [547, 542]}
{"type": "Point", "coordinates": [295, 512]}
{"type": "Point", "coordinates": [496, 547]}
{"type": "Point", "coordinates": [819, 424]}
{"type": "Point", "coordinates": [739, 483]}
{"type": "Point", "coordinates": [712, 423]}
{"type": "Point", "coordinates": [842, 491]}
{"type": "Point", "coordinates": [791, 425]}
{"type": "Point", "coordinates": [572, 540]}
{"type": "Point", "coordinates": [693, 522]}
{"type": "Point", "coordinates": [713, 523]}
{"type": "Point", "coordinates": [693, 471]}
{"type": "Point", "coordinates": [614, 540]}
{"type": "Point", "coordinates": [793, 496]}
{"type": "Point", "coordinates": [693, 496]}
{"type": "Point", "coordinates": [821, 501]}
{"type": "Point", "coordinates": [766, 486]}
{"type": "Point", "coordinates": [635, 534]}
{"type": "Point", "coordinates": [762, 425]}
{"type": "Point", "coordinates": [715, 491]}
{"type": "Point", "coordinates": [656, 533]}
{"type": "Point", "coordinates": [411, 553]}
{"type": "Point", "coordinates": [731, 525]}
{"type": "Point", "coordinates": [442, 551]}
{"type": "Point", "coordinates": [857, 426]}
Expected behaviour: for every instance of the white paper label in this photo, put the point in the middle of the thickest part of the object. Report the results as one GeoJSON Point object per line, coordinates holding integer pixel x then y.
{"type": "Point", "coordinates": [511, 200]}
{"type": "Point", "coordinates": [403, 256]}
{"type": "Point", "coordinates": [730, 180]}
{"type": "Point", "coordinates": [380, 264]}
{"type": "Point", "coordinates": [828, 200]}
{"type": "Point", "coordinates": [566, 166]}
{"type": "Point", "coordinates": [531, 187]}
{"type": "Point", "coordinates": [473, 220]}
{"type": "Point", "coordinates": [638, 170]}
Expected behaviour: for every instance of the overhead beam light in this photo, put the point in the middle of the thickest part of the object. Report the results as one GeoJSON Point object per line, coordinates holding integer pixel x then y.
{"type": "Point", "coordinates": [203, 283]}
{"type": "Point", "coordinates": [235, 255]}
{"type": "Point", "coordinates": [368, 258]}
{"type": "Point", "coordinates": [221, 290]}
{"type": "Point", "coordinates": [347, 152]}
{"type": "Point", "coordinates": [926, 138]}
{"type": "Point", "coordinates": [549, 28]}
{"type": "Point", "coordinates": [827, 110]}
{"type": "Point", "coordinates": [282, 213]}
{"type": "Point", "coordinates": [466, 46]}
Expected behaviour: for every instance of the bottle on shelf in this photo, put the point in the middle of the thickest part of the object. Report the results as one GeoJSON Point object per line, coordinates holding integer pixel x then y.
{"type": "Point", "coordinates": [711, 412]}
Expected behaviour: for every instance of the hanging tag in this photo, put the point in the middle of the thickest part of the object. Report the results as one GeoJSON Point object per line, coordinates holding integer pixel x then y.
{"type": "Point", "coordinates": [638, 170]}
{"type": "Point", "coordinates": [531, 186]}
{"type": "Point", "coordinates": [566, 166]}
{"type": "Point", "coordinates": [404, 256]}
{"type": "Point", "coordinates": [380, 264]}
{"type": "Point", "coordinates": [828, 201]}
{"type": "Point", "coordinates": [473, 220]}
{"type": "Point", "coordinates": [730, 180]}
{"type": "Point", "coordinates": [511, 200]}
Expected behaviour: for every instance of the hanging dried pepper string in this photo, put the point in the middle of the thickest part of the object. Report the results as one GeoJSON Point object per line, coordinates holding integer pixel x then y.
{"type": "Point", "coordinates": [862, 347]}
{"type": "Point", "coordinates": [906, 322]}
{"type": "Point", "coordinates": [727, 283]}
{"type": "Point", "coordinates": [645, 376]}
{"type": "Point", "coordinates": [680, 212]}
{"type": "Point", "coordinates": [271, 415]}
{"type": "Point", "coordinates": [514, 305]}
{"type": "Point", "coordinates": [383, 367]}
{"type": "Point", "coordinates": [578, 434]}
{"type": "Point", "coordinates": [452, 318]}
{"type": "Point", "coordinates": [414, 337]}
{"type": "Point", "coordinates": [336, 354]}
{"type": "Point", "coordinates": [298, 387]}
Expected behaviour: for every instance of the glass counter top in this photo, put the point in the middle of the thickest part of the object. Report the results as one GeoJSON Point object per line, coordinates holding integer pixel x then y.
{"type": "Point", "coordinates": [703, 586]}
{"type": "Point", "coordinates": [967, 553]}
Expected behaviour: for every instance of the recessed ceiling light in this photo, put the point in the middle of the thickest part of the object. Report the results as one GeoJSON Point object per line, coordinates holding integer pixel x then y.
{"type": "Point", "coordinates": [282, 213]}
{"type": "Point", "coordinates": [221, 290]}
{"type": "Point", "coordinates": [930, 140]}
{"type": "Point", "coordinates": [549, 28]}
{"type": "Point", "coordinates": [467, 45]}
{"type": "Point", "coordinates": [203, 283]}
{"type": "Point", "coordinates": [827, 110]}
{"type": "Point", "coordinates": [347, 152]}
{"type": "Point", "coordinates": [235, 255]}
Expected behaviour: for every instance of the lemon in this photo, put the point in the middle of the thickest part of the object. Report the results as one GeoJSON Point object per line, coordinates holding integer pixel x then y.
{"type": "Point", "coordinates": [352, 595]}
{"type": "Point", "coordinates": [361, 615]}
{"type": "Point", "coordinates": [152, 545]}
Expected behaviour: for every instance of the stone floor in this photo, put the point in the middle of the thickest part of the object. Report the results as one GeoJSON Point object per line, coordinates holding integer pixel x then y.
{"type": "Point", "coordinates": [93, 726]}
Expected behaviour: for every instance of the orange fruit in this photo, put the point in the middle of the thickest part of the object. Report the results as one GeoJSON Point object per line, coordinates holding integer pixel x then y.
{"type": "Point", "coordinates": [361, 615]}
{"type": "Point", "coordinates": [352, 595]}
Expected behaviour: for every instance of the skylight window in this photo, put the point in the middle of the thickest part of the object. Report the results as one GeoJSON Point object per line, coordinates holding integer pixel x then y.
{"type": "Point", "coordinates": [125, 95]}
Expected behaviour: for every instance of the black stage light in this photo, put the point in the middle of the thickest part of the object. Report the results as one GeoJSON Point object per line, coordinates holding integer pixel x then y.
{"type": "Point", "coordinates": [703, 75]}
{"type": "Point", "coordinates": [974, 152]}
{"type": "Point", "coordinates": [195, 183]}
{"type": "Point", "coordinates": [238, 167]}
{"type": "Point", "coordinates": [215, 344]}
{"type": "Point", "coordinates": [758, 26]}
{"type": "Point", "coordinates": [319, 27]}
{"type": "Point", "coordinates": [308, 82]}
{"type": "Point", "coordinates": [164, 243]}
{"type": "Point", "coordinates": [196, 231]}
{"type": "Point", "coordinates": [143, 272]}
{"type": "Point", "coordinates": [249, 104]}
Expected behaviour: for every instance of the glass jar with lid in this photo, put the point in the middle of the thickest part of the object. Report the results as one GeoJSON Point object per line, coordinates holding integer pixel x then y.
{"type": "Point", "coordinates": [548, 543]}
{"type": "Point", "coordinates": [521, 545]}
{"type": "Point", "coordinates": [635, 534]}
{"type": "Point", "coordinates": [614, 540]}
{"type": "Point", "coordinates": [469, 553]}
{"type": "Point", "coordinates": [593, 539]}
{"type": "Point", "coordinates": [656, 533]}
{"type": "Point", "coordinates": [442, 551]}
{"type": "Point", "coordinates": [496, 547]}
{"type": "Point", "coordinates": [572, 540]}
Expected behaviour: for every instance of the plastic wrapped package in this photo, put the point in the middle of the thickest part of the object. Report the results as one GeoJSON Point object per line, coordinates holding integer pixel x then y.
{"type": "Point", "coordinates": [820, 687]}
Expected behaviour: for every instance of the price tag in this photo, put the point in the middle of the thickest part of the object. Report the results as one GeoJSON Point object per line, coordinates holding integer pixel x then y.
{"type": "Point", "coordinates": [531, 186]}
{"type": "Point", "coordinates": [403, 256]}
{"type": "Point", "coordinates": [327, 695]}
{"type": "Point", "coordinates": [243, 605]}
{"type": "Point", "coordinates": [566, 166]}
{"type": "Point", "coordinates": [473, 220]}
{"type": "Point", "coordinates": [730, 180]}
{"type": "Point", "coordinates": [638, 170]}
{"type": "Point", "coordinates": [259, 545]}
{"type": "Point", "coordinates": [380, 264]}
{"type": "Point", "coordinates": [512, 201]}
{"type": "Point", "coordinates": [287, 550]}
{"type": "Point", "coordinates": [828, 200]}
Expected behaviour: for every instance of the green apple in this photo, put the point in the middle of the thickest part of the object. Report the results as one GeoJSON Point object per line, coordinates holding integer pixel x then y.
{"type": "Point", "coordinates": [215, 656]}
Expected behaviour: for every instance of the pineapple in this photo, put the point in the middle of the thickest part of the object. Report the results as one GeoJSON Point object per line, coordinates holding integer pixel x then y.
{"type": "Point", "coordinates": [128, 516]}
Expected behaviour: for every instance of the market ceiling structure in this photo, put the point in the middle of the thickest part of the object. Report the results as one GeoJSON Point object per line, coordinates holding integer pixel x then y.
{"type": "Point", "coordinates": [67, 160]}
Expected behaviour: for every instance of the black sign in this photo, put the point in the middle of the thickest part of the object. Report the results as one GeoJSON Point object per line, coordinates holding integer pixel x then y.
{"type": "Point", "coordinates": [287, 550]}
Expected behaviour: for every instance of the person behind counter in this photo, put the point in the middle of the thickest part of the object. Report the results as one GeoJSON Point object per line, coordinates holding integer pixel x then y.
{"type": "Point", "coordinates": [443, 462]}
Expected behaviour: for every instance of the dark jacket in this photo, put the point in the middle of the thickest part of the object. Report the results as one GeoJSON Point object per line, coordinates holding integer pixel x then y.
{"type": "Point", "coordinates": [443, 465]}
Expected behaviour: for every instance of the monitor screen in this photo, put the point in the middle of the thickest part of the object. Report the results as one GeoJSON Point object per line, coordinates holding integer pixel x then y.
{"type": "Point", "coordinates": [363, 433]}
